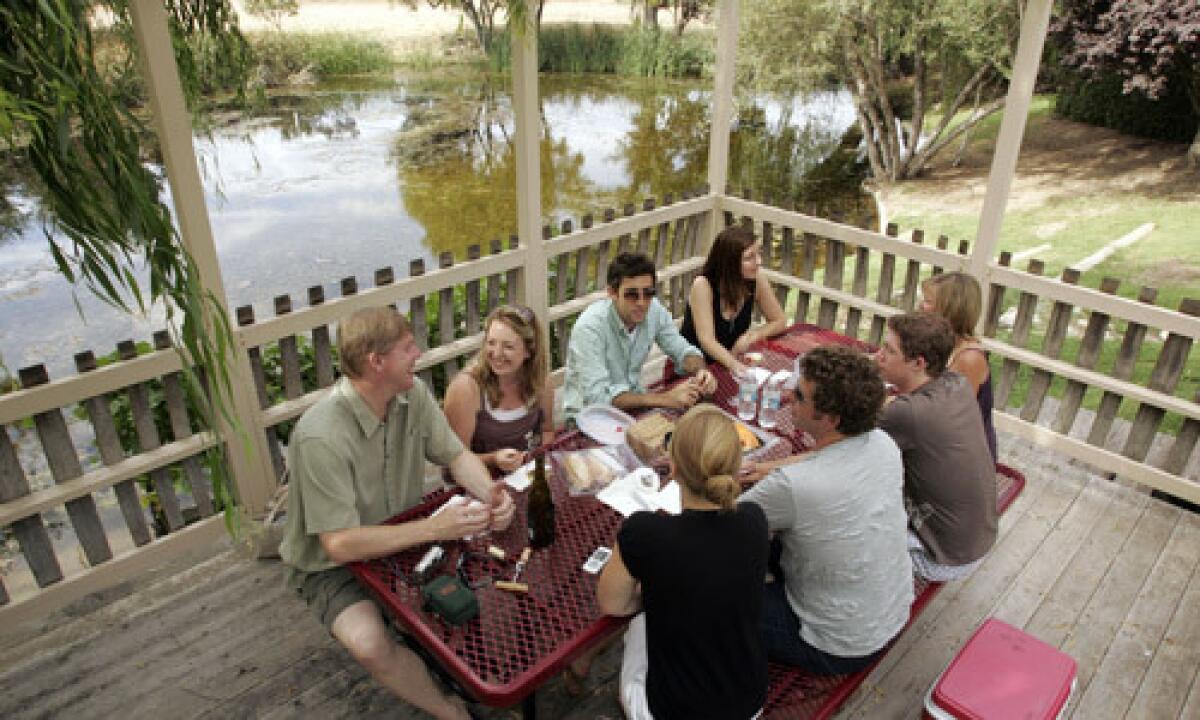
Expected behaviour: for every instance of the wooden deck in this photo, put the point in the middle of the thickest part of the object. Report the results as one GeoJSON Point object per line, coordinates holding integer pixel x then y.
{"type": "Point", "coordinates": [1101, 570]}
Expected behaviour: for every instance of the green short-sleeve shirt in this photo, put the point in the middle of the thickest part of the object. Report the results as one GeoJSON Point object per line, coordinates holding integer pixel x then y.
{"type": "Point", "coordinates": [349, 469]}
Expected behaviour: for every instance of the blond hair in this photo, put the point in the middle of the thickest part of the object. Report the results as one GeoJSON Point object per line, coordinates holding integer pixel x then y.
{"type": "Point", "coordinates": [372, 330]}
{"type": "Point", "coordinates": [524, 323]}
{"type": "Point", "coordinates": [707, 455]}
{"type": "Point", "coordinates": [958, 298]}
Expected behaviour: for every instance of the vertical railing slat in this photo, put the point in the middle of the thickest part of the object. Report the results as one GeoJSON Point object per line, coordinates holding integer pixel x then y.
{"type": "Point", "coordinates": [912, 276]}
{"type": "Point", "coordinates": [148, 439]}
{"type": "Point", "coordinates": [808, 270]}
{"type": "Point", "coordinates": [245, 316]}
{"type": "Point", "coordinates": [417, 314]}
{"type": "Point", "coordinates": [1026, 305]}
{"type": "Point", "coordinates": [835, 267]}
{"type": "Point", "coordinates": [512, 287]}
{"type": "Point", "coordinates": [322, 345]}
{"type": "Point", "coordinates": [289, 355]}
{"type": "Point", "coordinates": [1168, 368]}
{"type": "Point", "coordinates": [679, 291]}
{"type": "Point", "coordinates": [1131, 347]}
{"type": "Point", "coordinates": [181, 427]}
{"type": "Point", "coordinates": [64, 466]}
{"type": "Point", "coordinates": [1185, 443]}
{"type": "Point", "coordinates": [643, 242]}
{"type": "Point", "coordinates": [494, 280]}
{"type": "Point", "coordinates": [883, 292]}
{"type": "Point", "coordinates": [561, 271]}
{"type": "Point", "coordinates": [787, 263]}
{"type": "Point", "coordinates": [472, 318]}
{"type": "Point", "coordinates": [1056, 333]}
{"type": "Point", "coordinates": [30, 531]}
{"type": "Point", "coordinates": [446, 317]}
{"type": "Point", "coordinates": [995, 301]}
{"type": "Point", "coordinates": [1089, 353]}
{"type": "Point", "coordinates": [108, 442]}
{"type": "Point", "coordinates": [862, 268]}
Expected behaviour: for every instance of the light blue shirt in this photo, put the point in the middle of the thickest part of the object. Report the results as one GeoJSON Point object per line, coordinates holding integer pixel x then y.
{"type": "Point", "coordinates": [605, 360]}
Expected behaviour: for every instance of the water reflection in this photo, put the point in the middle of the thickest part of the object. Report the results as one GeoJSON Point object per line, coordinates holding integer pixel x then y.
{"type": "Point", "coordinates": [347, 179]}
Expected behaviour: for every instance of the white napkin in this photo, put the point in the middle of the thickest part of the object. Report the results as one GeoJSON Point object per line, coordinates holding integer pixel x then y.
{"type": "Point", "coordinates": [520, 478]}
{"type": "Point", "coordinates": [638, 490]}
{"type": "Point", "coordinates": [760, 374]}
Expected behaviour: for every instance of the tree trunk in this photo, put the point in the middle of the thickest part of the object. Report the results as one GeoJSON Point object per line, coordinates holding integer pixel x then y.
{"type": "Point", "coordinates": [1193, 153]}
{"type": "Point", "coordinates": [650, 13]}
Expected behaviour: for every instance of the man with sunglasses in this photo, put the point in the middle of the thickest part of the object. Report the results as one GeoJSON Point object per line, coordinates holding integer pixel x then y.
{"type": "Point", "coordinates": [612, 337]}
{"type": "Point", "coordinates": [838, 515]}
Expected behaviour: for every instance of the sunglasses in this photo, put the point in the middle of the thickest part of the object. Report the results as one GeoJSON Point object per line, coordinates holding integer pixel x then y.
{"type": "Point", "coordinates": [520, 311]}
{"type": "Point", "coordinates": [632, 293]}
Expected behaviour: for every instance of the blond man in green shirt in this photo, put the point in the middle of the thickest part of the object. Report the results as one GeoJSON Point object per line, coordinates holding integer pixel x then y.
{"type": "Point", "coordinates": [358, 457]}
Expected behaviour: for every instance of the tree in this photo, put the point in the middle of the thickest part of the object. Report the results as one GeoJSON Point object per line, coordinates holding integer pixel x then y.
{"type": "Point", "coordinates": [903, 60]}
{"type": "Point", "coordinates": [686, 11]}
{"type": "Point", "coordinates": [1146, 42]}
{"type": "Point", "coordinates": [273, 11]}
{"type": "Point", "coordinates": [88, 152]}
{"type": "Point", "coordinates": [482, 14]}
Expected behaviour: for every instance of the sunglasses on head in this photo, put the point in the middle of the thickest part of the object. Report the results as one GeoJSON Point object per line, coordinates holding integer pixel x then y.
{"type": "Point", "coordinates": [632, 293]}
{"type": "Point", "coordinates": [520, 311]}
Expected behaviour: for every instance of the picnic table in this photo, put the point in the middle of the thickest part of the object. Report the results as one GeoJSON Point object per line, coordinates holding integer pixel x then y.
{"type": "Point", "coordinates": [520, 640]}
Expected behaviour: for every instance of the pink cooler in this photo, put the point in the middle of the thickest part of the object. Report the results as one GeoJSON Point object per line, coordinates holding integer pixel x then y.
{"type": "Point", "coordinates": [1003, 673]}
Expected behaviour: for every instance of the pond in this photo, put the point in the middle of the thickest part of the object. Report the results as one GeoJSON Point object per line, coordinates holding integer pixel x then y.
{"type": "Point", "coordinates": [341, 180]}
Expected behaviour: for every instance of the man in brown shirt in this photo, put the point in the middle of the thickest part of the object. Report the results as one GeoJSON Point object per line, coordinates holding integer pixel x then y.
{"type": "Point", "coordinates": [949, 476]}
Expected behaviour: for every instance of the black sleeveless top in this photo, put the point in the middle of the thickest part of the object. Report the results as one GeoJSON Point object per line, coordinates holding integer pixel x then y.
{"type": "Point", "coordinates": [726, 331]}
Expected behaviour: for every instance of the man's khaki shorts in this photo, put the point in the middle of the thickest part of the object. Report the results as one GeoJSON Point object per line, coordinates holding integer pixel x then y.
{"type": "Point", "coordinates": [327, 592]}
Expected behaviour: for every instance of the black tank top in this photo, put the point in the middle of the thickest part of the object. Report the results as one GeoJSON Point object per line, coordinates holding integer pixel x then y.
{"type": "Point", "coordinates": [726, 331]}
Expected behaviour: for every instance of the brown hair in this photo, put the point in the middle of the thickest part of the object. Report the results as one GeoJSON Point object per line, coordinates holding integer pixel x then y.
{"type": "Point", "coordinates": [924, 335]}
{"type": "Point", "coordinates": [723, 267]}
{"type": "Point", "coordinates": [524, 323]}
{"type": "Point", "coordinates": [372, 330]}
{"type": "Point", "coordinates": [958, 298]}
{"type": "Point", "coordinates": [846, 383]}
{"type": "Point", "coordinates": [707, 454]}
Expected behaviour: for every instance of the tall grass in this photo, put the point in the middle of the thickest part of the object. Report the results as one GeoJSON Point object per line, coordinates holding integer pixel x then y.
{"type": "Point", "coordinates": [633, 51]}
{"type": "Point", "coordinates": [282, 55]}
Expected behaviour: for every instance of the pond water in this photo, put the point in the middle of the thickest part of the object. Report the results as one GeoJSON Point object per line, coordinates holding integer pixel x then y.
{"type": "Point", "coordinates": [342, 180]}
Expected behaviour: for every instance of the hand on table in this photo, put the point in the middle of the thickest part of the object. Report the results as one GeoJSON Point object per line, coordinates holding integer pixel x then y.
{"type": "Point", "coordinates": [705, 382]}
{"type": "Point", "coordinates": [461, 520]}
{"type": "Point", "coordinates": [737, 369]}
{"type": "Point", "coordinates": [508, 459]}
{"type": "Point", "coordinates": [502, 508]}
{"type": "Point", "coordinates": [684, 394]}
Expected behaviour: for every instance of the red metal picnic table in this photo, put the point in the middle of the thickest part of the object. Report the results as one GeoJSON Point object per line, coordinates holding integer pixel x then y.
{"type": "Point", "coordinates": [520, 640]}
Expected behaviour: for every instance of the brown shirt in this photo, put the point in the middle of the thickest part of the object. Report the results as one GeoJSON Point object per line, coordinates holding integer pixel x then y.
{"type": "Point", "coordinates": [949, 476]}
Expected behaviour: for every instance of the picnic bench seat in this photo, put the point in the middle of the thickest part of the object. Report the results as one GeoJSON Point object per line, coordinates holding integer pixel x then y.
{"type": "Point", "coordinates": [793, 694]}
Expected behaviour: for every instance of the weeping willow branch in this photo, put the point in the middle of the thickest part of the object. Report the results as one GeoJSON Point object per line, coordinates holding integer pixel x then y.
{"type": "Point", "coordinates": [102, 199]}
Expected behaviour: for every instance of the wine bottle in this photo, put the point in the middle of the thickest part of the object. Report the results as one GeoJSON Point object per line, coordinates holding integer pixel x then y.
{"type": "Point", "coordinates": [539, 510]}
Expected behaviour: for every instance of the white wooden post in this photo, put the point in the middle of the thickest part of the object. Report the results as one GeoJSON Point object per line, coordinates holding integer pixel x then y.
{"type": "Point", "coordinates": [1012, 128]}
{"type": "Point", "coordinates": [722, 112]}
{"type": "Point", "coordinates": [529, 167]}
{"type": "Point", "coordinates": [247, 456]}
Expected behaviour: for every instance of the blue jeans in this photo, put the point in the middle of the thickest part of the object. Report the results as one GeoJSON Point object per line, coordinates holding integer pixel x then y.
{"type": "Point", "coordinates": [781, 635]}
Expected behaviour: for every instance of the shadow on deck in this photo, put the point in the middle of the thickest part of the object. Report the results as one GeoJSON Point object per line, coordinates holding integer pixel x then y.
{"type": "Point", "coordinates": [1099, 569]}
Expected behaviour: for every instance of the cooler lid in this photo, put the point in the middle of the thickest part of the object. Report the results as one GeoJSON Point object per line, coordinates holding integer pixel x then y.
{"type": "Point", "coordinates": [1003, 672]}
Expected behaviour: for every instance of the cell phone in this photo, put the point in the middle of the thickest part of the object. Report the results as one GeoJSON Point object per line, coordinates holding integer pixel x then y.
{"type": "Point", "coordinates": [597, 560]}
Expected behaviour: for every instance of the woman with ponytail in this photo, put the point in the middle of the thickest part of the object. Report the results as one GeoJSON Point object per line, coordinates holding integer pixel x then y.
{"type": "Point", "coordinates": [694, 649]}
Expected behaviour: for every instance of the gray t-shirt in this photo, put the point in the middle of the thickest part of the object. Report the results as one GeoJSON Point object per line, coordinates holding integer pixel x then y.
{"type": "Point", "coordinates": [949, 475]}
{"type": "Point", "coordinates": [840, 515]}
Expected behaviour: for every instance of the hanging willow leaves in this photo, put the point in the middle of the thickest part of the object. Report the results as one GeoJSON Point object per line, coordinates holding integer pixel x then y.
{"type": "Point", "coordinates": [103, 202]}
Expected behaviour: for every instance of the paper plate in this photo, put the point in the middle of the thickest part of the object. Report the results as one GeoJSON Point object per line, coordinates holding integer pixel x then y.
{"type": "Point", "coordinates": [604, 424]}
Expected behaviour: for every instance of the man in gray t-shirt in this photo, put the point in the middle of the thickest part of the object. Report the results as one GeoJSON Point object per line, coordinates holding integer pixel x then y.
{"type": "Point", "coordinates": [949, 476]}
{"type": "Point", "coordinates": [839, 514]}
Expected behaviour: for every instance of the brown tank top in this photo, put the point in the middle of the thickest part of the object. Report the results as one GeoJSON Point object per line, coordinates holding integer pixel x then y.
{"type": "Point", "coordinates": [492, 434]}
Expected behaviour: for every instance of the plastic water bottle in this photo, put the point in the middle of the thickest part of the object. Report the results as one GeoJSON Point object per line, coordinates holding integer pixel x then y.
{"type": "Point", "coordinates": [747, 398]}
{"type": "Point", "coordinates": [768, 415]}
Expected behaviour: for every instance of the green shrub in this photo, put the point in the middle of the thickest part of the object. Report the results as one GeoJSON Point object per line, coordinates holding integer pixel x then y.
{"type": "Point", "coordinates": [280, 55]}
{"type": "Point", "coordinates": [1102, 102]}
{"type": "Point", "coordinates": [610, 49]}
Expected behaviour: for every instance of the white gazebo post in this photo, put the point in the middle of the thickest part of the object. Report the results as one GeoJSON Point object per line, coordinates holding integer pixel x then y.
{"type": "Point", "coordinates": [529, 169]}
{"type": "Point", "coordinates": [1012, 129]}
{"type": "Point", "coordinates": [248, 461]}
{"type": "Point", "coordinates": [722, 112]}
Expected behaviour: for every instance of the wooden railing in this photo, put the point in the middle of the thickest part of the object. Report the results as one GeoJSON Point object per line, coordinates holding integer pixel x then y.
{"type": "Point", "coordinates": [884, 279]}
{"type": "Point", "coordinates": [834, 275]}
{"type": "Point", "coordinates": [293, 360]}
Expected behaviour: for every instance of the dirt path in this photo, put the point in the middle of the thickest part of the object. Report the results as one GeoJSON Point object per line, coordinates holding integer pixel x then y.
{"type": "Point", "coordinates": [1059, 159]}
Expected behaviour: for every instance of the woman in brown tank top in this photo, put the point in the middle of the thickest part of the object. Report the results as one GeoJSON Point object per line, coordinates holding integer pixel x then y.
{"type": "Point", "coordinates": [501, 402]}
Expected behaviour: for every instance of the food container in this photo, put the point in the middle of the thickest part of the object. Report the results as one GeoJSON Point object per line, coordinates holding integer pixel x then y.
{"type": "Point", "coordinates": [587, 472]}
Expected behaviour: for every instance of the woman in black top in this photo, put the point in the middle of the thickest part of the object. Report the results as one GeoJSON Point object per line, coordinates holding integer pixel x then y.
{"type": "Point", "coordinates": [722, 297]}
{"type": "Point", "coordinates": [696, 651]}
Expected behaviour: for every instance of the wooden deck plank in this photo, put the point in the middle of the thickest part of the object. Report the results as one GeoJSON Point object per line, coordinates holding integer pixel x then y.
{"type": "Point", "coordinates": [278, 690]}
{"type": "Point", "coordinates": [892, 694]}
{"type": "Point", "coordinates": [1104, 613]}
{"type": "Point", "coordinates": [1173, 671]}
{"type": "Point", "coordinates": [1116, 681]}
{"type": "Point", "coordinates": [1059, 548]}
{"type": "Point", "coordinates": [1025, 502]}
{"type": "Point", "coordinates": [1060, 611]}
